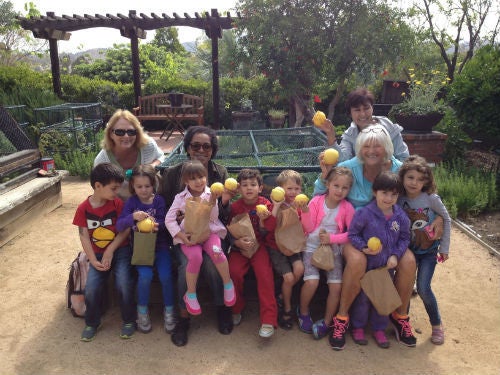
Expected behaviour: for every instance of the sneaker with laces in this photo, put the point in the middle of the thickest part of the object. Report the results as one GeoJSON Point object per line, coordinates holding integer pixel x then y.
{"type": "Point", "coordinates": [337, 338]}
{"type": "Point", "coordinates": [358, 336]}
{"type": "Point", "coordinates": [266, 330]}
{"type": "Point", "coordinates": [305, 322]}
{"type": "Point", "coordinates": [236, 319]}
{"type": "Point", "coordinates": [144, 322]}
{"type": "Point", "coordinates": [169, 321]}
{"type": "Point", "coordinates": [127, 330]}
{"type": "Point", "coordinates": [88, 333]}
{"type": "Point", "coordinates": [320, 329]}
{"type": "Point", "coordinates": [381, 339]}
{"type": "Point", "coordinates": [402, 329]}
{"type": "Point", "coordinates": [437, 337]}
{"type": "Point", "coordinates": [192, 305]}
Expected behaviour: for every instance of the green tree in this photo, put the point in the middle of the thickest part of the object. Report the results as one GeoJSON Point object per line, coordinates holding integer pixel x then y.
{"type": "Point", "coordinates": [168, 39]}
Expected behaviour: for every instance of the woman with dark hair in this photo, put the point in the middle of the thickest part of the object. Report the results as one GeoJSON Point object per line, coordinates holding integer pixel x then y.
{"type": "Point", "coordinates": [359, 105]}
{"type": "Point", "coordinates": [200, 143]}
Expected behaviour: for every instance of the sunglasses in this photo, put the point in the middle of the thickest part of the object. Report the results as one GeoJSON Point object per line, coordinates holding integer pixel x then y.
{"type": "Point", "coordinates": [199, 146]}
{"type": "Point", "coordinates": [122, 132]}
{"type": "Point", "coordinates": [373, 130]}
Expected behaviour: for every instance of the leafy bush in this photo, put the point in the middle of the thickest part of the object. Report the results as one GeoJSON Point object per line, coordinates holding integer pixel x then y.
{"type": "Point", "coordinates": [77, 163]}
{"type": "Point", "coordinates": [475, 96]}
{"type": "Point", "coordinates": [457, 141]}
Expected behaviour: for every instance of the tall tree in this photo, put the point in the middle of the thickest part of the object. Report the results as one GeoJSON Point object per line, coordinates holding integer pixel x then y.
{"type": "Point", "coordinates": [168, 38]}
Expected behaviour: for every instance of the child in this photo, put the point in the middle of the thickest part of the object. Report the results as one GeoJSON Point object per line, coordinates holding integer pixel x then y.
{"type": "Point", "coordinates": [289, 267]}
{"type": "Point", "coordinates": [194, 176]}
{"type": "Point", "coordinates": [326, 221]}
{"type": "Point", "coordinates": [144, 203]}
{"type": "Point", "coordinates": [251, 185]}
{"type": "Point", "coordinates": [106, 249]}
{"type": "Point", "coordinates": [422, 205]}
{"type": "Point", "coordinates": [384, 219]}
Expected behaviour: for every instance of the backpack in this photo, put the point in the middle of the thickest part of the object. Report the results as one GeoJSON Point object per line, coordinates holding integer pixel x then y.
{"type": "Point", "coordinates": [75, 287]}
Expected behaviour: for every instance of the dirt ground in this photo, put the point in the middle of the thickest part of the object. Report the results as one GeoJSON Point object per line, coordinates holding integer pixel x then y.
{"type": "Point", "coordinates": [38, 335]}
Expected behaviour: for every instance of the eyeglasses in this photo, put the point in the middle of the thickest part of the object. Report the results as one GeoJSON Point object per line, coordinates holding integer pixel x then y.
{"type": "Point", "coordinates": [122, 132]}
{"type": "Point", "coordinates": [373, 130]}
{"type": "Point", "coordinates": [199, 146]}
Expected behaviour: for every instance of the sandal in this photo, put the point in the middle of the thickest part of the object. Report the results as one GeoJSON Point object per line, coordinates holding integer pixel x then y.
{"type": "Point", "coordinates": [437, 337]}
{"type": "Point", "coordinates": [286, 320]}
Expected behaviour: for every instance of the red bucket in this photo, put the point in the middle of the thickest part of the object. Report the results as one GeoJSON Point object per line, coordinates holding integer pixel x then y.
{"type": "Point", "coordinates": [48, 164]}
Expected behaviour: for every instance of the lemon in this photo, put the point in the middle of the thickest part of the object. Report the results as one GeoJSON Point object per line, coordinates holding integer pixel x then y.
{"type": "Point", "coordinates": [301, 199]}
{"type": "Point", "coordinates": [217, 188]}
{"type": "Point", "coordinates": [319, 118]}
{"type": "Point", "coordinates": [261, 208]}
{"type": "Point", "coordinates": [374, 244]}
{"type": "Point", "coordinates": [277, 194]}
{"type": "Point", "coordinates": [330, 156]}
{"type": "Point", "coordinates": [231, 184]}
{"type": "Point", "coordinates": [147, 225]}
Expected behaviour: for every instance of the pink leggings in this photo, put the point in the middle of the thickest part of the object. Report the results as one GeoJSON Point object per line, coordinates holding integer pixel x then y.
{"type": "Point", "coordinates": [194, 255]}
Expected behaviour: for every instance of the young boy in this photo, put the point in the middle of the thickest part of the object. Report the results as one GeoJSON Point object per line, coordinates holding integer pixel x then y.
{"type": "Point", "coordinates": [106, 249]}
{"type": "Point", "coordinates": [290, 267]}
{"type": "Point", "coordinates": [250, 185]}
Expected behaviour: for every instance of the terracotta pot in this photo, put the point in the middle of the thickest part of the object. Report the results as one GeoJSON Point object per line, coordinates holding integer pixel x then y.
{"type": "Point", "coordinates": [277, 122]}
{"type": "Point", "coordinates": [418, 123]}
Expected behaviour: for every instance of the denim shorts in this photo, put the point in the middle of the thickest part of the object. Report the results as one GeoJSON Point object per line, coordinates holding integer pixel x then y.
{"type": "Point", "coordinates": [313, 273]}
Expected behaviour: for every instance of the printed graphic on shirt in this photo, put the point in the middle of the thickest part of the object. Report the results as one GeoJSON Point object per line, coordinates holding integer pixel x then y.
{"type": "Point", "coordinates": [419, 221]}
{"type": "Point", "coordinates": [101, 229]}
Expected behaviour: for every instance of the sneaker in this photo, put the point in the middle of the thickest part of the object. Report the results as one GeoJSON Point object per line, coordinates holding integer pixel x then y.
{"type": "Point", "coordinates": [229, 296]}
{"type": "Point", "coordinates": [305, 322]}
{"type": "Point", "coordinates": [236, 319]}
{"type": "Point", "coordinates": [358, 336]}
{"type": "Point", "coordinates": [437, 337]}
{"type": "Point", "coordinates": [285, 319]}
{"type": "Point", "coordinates": [180, 333]}
{"type": "Point", "coordinates": [143, 322]}
{"type": "Point", "coordinates": [127, 331]}
{"type": "Point", "coordinates": [337, 338]}
{"type": "Point", "coordinates": [414, 292]}
{"type": "Point", "coordinates": [402, 329]}
{"type": "Point", "coordinates": [320, 329]}
{"type": "Point", "coordinates": [169, 321]}
{"type": "Point", "coordinates": [224, 320]}
{"type": "Point", "coordinates": [266, 330]}
{"type": "Point", "coordinates": [88, 333]}
{"type": "Point", "coordinates": [381, 339]}
{"type": "Point", "coordinates": [192, 305]}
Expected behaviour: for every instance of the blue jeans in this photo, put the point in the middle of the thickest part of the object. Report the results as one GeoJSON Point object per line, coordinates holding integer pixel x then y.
{"type": "Point", "coordinates": [426, 264]}
{"type": "Point", "coordinates": [163, 265]}
{"type": "Point", "coordinates": [124, 283]}
{"type": "Point", "coordinates": [207, 270]}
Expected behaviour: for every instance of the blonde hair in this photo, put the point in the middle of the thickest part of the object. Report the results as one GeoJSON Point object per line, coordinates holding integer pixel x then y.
{"type": "Point", "coordinates": [289, 174]}
{"type": "Point", "coordinates": [378, 134]}
{"type": "Point", "coordinates": [339, 171]}
{"type": "Point", "coordinates": [141, 139]}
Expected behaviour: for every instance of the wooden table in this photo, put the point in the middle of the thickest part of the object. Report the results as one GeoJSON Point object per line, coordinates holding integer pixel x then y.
{"type": "Point", "coordinates": [174, 121]}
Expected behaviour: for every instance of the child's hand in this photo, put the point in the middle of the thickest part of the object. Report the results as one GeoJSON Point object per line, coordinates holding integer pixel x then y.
{"type": "Point", "coordinates": [437, 227]}
{"type": "Point", "coordinates": [244, 243]}
{"type": "Point", "coordinates": [214, 196]}
{"type": "Point", "coordinates": [442, 257]}
{"type": "Point", "coordinates": [227, 195]}
{"type": "Point", "coordinates": [263, 215]}
{"type": "Point", "coordinates": [179, 217]}
{"type": "Point", "coordinates": [325, 168]}
{"type": "Point", "coordinates": [106, 260]}
{"type": "Point", "coordinates": [184, 238]}
{"type": "Point", "coordinates": [324, 237]}
{"type": "Point", "coordinates": [98, 265]}
{"type": "Point", "coordinates": [392, 262]}
{"type": "Point", "coordinates": [140, 215]}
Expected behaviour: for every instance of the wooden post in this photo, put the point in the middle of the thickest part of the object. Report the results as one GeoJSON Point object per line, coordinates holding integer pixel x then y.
{"type": "Point", "coordinates": [215, 33]}
{"type": "Point", "coordinates": [56, 71]}
{"type": "Point", "coordinates": [136, 70]}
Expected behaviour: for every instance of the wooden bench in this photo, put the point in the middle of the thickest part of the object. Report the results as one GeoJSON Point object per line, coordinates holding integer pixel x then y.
{"type": "Point", "coordinates": [148, 109]}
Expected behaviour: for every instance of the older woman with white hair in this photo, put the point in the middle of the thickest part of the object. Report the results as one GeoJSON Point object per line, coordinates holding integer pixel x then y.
{"type": "Point", "coordinates": [374, 154]}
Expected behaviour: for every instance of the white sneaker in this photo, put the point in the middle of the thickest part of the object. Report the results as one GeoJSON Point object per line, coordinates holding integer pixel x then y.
{"type": "Point", "coordinates": [143, 322]}
{"type": "Point", "coordinates": [236, 319]}
{"type": "Point", "coordinates": [266, 330]}
{"type": "Point", "coordinates": [170, 321]}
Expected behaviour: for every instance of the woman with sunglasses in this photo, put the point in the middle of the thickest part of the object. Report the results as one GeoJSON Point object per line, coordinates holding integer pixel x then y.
{"type": "Point", "coordinates": [359, 105]}
{"type": "Point", "coordinates": [126, 145]}
{"type": "Point", "coordinates": [200, 143]}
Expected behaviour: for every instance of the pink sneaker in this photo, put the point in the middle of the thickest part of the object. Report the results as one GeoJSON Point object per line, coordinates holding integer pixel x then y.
{"type": "Point", "coordinates": [229, 296]}
{"type": "Point", "coordinates": [437, 337]}
{"type": "Point", "coordinates": [381, 339]}
{"type": "Point", "coordinates": [358, 336]}
{"type": "Point", "coordinates": [192, 305]}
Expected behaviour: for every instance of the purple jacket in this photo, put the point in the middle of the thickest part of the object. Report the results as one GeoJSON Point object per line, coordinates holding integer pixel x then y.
{"type": "Point", "coordinates": [394, 233]}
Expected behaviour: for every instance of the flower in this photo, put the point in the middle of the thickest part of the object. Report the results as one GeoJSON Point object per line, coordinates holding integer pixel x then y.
{"type": "Point", "coordinates": [422, 98]}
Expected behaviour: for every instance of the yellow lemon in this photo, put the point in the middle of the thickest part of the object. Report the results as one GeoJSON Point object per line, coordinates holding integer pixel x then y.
{"type": "Point", "coordinates": [374, 244]}
{"type": "Point", "coordinates": [231, 184]}
{"type": "Point", "coordinates": [319, 118]}
{"type": "Point", "coordinates": [277, 194]}
{"type": "Point", "coordinates": [147, 225]}
{"type": "Point", "coordinates": [217, 188]}
{"type": "Point", "coordinates": [301, 199]}
{"type": "Point", "coordinates": [261, 208]}
{"type": "Point", "coordinates": [330, 156]}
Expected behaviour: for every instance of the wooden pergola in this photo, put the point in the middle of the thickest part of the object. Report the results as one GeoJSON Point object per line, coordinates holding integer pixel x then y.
{"type": "Point", "coordinates": [55, 28]}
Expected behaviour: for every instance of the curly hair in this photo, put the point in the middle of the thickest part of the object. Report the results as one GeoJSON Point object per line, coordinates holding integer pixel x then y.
{"type": "Point", "coordinates": [419, 164]}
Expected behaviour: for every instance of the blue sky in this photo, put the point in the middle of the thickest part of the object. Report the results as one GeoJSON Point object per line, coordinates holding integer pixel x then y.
{"type": "Point", "coordinates": [103, 37]}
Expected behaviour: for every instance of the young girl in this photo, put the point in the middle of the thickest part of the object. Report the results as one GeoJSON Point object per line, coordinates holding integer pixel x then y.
{"type": "Point", "coordinates": [422, 205]}
{"type": "Point", "coordinates": [326, 221]}
{"type": "Point", "coordinates": [143, 203]}
{"type": "Point", "coordinates": [384, 219]}
{"type": "Point", "coordinates": [194, 177]}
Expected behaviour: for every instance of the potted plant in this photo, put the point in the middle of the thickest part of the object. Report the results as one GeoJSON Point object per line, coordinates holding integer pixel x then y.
{"type": "Point", "coordinates": [421, 109]}
{"type": "Point", "coordinates": [276, 117]}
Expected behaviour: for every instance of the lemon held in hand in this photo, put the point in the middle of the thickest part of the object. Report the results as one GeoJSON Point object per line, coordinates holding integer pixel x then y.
{"type": "Point", "coordinates": [277, 194]}
{"type": "Point", "coordinates": [374, 244]}
{"type": "Point", "coordinates": [319, 118]}
{"type": "Point", "coordinates": [330, 156]}
{"type": "Point", "coordinates": [147, 225]}
{"type": "Point", "coordinates": [231, 184]}
{"type": "Point", "coordinates": [261, 208]}
{"type": "Point", "coordinates": [217, 188]}
{"type": "Point", "coordinates": [301, 199]}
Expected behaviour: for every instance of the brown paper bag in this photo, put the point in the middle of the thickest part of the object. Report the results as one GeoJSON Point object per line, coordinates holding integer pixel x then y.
{"type": "Point", "coordinates": [197, 219]}
{"type": "Point", "coordinates": [144, 249]}
{"type": "Point", "coordinates": [289, 234]}
{"type": "Point", "coordinates": [380, 290]}
{"type": "Point", "coordinates": [241, 226]}
{"type": "Point", "coordinates": [323, 258]}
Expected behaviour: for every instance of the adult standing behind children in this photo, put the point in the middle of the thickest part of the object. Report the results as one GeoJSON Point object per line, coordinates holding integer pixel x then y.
{"type": "Point", "coordinates": [200, 143]}
{"type": "Point", "coordinates": [126, 145]}
{"type": "Point", "coordinates": [106, 249]}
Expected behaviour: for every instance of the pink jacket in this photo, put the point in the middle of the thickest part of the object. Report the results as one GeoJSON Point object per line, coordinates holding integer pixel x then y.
{"type": "Point", "coordinates": [179, 204]}
{"type": "Point", "coordinates": [312, 219]}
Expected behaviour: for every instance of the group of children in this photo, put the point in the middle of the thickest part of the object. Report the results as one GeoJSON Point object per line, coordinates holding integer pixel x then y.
{"type": "Point", "coordinates": [402, 208]}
